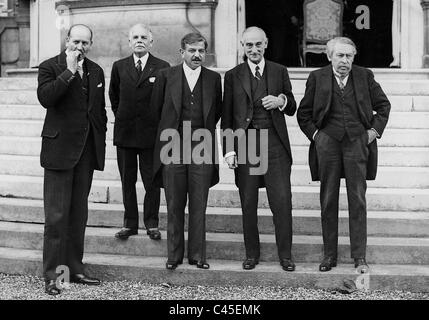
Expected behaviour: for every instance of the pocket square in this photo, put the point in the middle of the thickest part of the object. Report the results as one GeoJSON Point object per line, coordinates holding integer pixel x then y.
{"type": "Point", "coordinates": [100, 85]}
{"type": "Point", "coordinates": [152, 79]}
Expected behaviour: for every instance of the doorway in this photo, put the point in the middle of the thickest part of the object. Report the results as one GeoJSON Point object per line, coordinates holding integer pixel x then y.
{"type": "Point", "coordinates": [282, 20]}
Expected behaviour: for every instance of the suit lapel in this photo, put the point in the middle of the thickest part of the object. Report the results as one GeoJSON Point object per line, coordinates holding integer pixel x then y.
{"type": "Point", "coordinates": [360, 86]}
{"type": "Point", "coordinates": [272, 80]}
{"type": "Point", "coordinates": [208, 86]}
{"type": "Point", "coordinates": [92, 73]}
{"type": "Point", "coordinates": [148, 69]}
{"type": "Point", "coordinates": [326, 88]}
{"type": "Point", "coordinates": [131, 69]}
{"type": "Point", "coordinates": [244, 76]}
{"type": "Point", "coordinates": [176, 88]}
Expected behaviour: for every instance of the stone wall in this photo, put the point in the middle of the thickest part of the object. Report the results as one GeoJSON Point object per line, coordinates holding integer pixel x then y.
{"type": "Point", "coordinates": [169, 21]}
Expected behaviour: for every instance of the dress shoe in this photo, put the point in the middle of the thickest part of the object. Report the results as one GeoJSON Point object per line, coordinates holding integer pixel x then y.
{"type": "Point", "coordinates": [250, 263]}
{"type": "Point", "coordinates": [125, 233]}
{"type": "Point", "coordinates": [172, 265]}
{"type": "Point", "coordinates": [154, 234]}
{"type": "Point", "coordinates": [80, 278]}
{"type": "Point", "coordinates": [200, 264]}
{"type": "Point", "coordinates": [51, 288]}
{"type": "Point", "coordinates": [361, 265]}
{"type": "Point", "coordinates": [287, 265]}
{"type": "Point", "coordinates": [327, 264]}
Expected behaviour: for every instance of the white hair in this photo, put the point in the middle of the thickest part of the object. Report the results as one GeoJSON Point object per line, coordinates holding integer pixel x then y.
{"type": "Point", "coordinates": [142, 25]}
{"type": "Point", "coordinates": [344, 40]}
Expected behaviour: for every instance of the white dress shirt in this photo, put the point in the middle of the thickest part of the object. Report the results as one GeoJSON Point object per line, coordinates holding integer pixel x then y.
{"type": "Point", "coordinates": [252, 66]}
{"type": "Point", "coordinates": [191, 75]}
{"type": "Point", "coordinates": [338, 78]}
{"type": "Point", "coordinates": [142, 59]}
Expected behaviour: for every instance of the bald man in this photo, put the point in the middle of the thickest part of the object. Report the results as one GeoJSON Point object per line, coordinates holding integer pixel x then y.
{"type": "Point", "coordinates": [135, 129]}
{"type": "Point", "coordinates": [257, 96]}
{"type": "Point", "coordinates": [71, 88]}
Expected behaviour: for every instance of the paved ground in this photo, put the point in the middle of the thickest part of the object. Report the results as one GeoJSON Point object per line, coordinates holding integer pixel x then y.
{"type": "Point", "coordinates": [32, 288]}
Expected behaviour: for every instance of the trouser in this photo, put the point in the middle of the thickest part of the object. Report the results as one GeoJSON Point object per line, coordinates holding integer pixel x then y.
{"type": "Point", "coordinates": [128, 159]}
{"type": "Point", "coordinates": [182, 181]}
{"type": "Point", "coordinates": [65, 197]}
{"type": "Point", "coordinates": [351, 157]}
{"type": "Point", "coordinates": [278, 187]}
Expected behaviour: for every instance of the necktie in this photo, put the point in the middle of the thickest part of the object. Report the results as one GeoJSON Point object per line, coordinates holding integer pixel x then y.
{"type": "Point", "coordinates": [84, 75]}
{"type": "Point", "coordinates": [341, 84]}
{"type": "Point", "coordinates": [80, 70]}
{"type": "Point", "coordinates": [139, 67]}
{"type": "Point", "coordinates": [257, 73]}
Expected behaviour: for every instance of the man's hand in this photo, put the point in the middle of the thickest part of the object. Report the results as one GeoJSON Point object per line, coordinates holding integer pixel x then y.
{"type": "Point", "coordinates": [371, 135]}
{"type": "Point", "coordinates": [231, 161]}
{"type": "Point", "coordinates": [71, 59]}
{"type": "Point", "coordinates": [271, 102]}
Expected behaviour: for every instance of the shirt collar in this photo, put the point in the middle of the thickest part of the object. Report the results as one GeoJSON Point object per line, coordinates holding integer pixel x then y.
{"type": "Point", "coordinates": [189, 71]}
{"type": "Point", "coordinates": [252, 66]}
{"type": "Point", "coordinates": [338, 76]}
{"type": "Point", "coordinates": [143, 59]}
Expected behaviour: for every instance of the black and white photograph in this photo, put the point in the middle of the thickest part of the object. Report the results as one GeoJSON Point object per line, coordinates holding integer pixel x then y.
{"type": "Point", "coordinates": [214, 158]}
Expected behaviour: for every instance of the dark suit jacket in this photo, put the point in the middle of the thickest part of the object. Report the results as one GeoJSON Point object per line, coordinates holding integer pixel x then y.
{"type": "Point", "coordinates": [237, 102]}
{"type": "Point", "coordinates": [317, 101]}
{"type": "Point", "coordinates": [135, 126]}
{"type": "Point", "coordinates": [68, 119]}
{"type": "Point", "coordinates": [167, 104]}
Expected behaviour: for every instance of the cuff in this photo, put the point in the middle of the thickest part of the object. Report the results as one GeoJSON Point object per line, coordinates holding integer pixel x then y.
{"type": "Point", "coordinates": [314, 134]}
{"type": "Point", "coordinates": [378, 136]}
{"type": "Point", "coordinates": [231, 153]}
{"type": "Point", "coordinates": [281, 95]}
{"type": "Point", "coordinates": [67, 76]}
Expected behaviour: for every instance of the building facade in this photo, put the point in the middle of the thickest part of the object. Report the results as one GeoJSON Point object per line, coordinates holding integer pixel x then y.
{"type": "Point", "coordinates": [33, 30]}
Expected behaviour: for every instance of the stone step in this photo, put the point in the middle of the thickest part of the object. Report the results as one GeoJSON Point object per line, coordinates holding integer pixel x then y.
{"type": "Point", "coordinates": [229, 220]}
{"type": "Point", "coordinates": [387, 156]}
{"type": "Point", "coordinates": [226, 195]}
{"type": "Point", "coordinates": [380, 250]}
{"type": "Point", "coordinates": [403, 120]}
{"type": "Point", "coordinates": [411, 278]}
{"type": "Point", "coordinates": [387, 177]}
{"type": "Point", "coordinates": [380, 74]}
{"type": "Point", "coordinates": [391, 137]}
{"type": "Point", "coordinates": [403, 102]}
{"type": "Point", "coordinates": [390, 86]}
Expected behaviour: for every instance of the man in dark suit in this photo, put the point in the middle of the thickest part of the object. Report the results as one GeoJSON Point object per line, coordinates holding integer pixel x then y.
{"type": "Point", "coordinates": [188, 101]}
{"type": "Point", "coordinates": [257, 95]}
{"type": "Point", "coordinates": [135, 129]}
{"type": "Point", "coordinates": [337, 116]}
{"type": "Point", "coordinates": [71, 88]}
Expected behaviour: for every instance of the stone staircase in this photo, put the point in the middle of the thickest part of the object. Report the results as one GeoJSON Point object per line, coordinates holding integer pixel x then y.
{"type": "Point", "coordinates": [398, 205]}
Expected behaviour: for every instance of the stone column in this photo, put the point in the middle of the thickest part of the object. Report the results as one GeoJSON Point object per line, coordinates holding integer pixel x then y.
{"type": "Point", "coordinates": [425, 6]}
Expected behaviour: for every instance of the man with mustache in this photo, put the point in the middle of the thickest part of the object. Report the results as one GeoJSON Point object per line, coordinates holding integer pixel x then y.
{"type": "Point", "coordinates": [187, 99]}
{"type": "Point", "coordinates": [71, 88]}
{"type": "Point", "coordinates": [135, 128]}
{"type": "Point", "coordinates": [257, 96]}
{"type": "Point", "coordinates": [342, 113]}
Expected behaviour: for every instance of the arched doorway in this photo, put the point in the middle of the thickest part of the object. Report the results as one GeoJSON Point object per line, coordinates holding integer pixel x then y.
{"type": "Point", "coordinates": [282, 20]}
